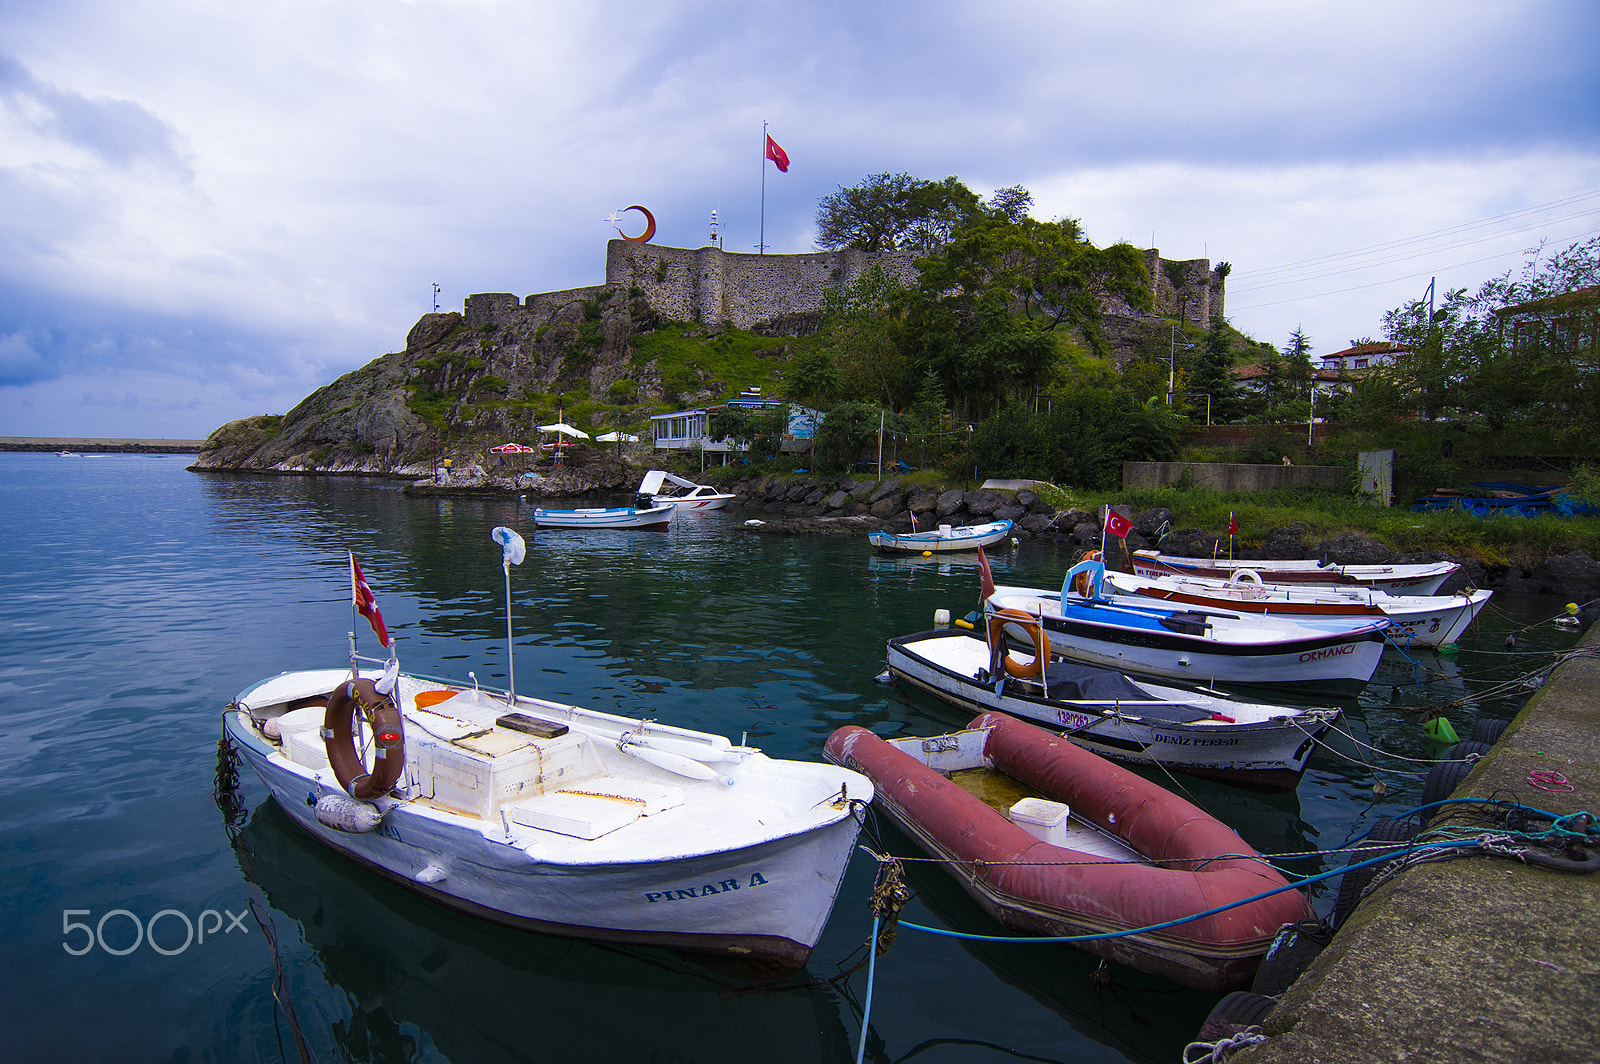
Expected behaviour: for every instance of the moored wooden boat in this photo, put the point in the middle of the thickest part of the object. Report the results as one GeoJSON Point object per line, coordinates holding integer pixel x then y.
{"type": "Point", "coordinates": [945, 538]}
{"type": "Point", "coordinates": [611, 829]}
{"type": "Point", "coordinates": [1135, 635]}
{"type": "Point", "coordinates": [1419, 578]}
{"type": "Point", "coordinates": [604, 517]}
{"type": "Point", "coordinates": [1180, 727]}
{"type": "Point", "coordinates": [548, 816]}
{"type": "Point", "coordinates": [1420, 620]}
{"type": "Point", "coordinates": [1104, 850]}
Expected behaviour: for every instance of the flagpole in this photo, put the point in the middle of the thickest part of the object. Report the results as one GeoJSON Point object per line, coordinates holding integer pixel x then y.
{"type": "Point", "coordinates": [761, 248]}
{"type": "Point", "coordinates": [1105, 518]}
{"type": "Point", "coordinates": [351, 564]}
{"type": "Point", "coordinates": [511, 665]}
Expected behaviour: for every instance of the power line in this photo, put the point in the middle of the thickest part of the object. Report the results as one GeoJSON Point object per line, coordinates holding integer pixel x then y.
{"type": "Point", "coordinates": [1437, 234]}
{"type": "Point", "coordinates": [1394, 280]}
{"type": "Point", "coordinates": [1405, 258]}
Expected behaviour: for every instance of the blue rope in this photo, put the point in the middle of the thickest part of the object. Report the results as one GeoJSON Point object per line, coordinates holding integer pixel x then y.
{"type": "Point", "coordinates": [866, 1008]}
{"type": "Point", "coordinates": [1455, 844]}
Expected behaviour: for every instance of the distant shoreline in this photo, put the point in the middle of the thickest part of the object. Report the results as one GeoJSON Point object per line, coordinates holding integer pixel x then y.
{"type": "Point", "coordinates": [92, 445]}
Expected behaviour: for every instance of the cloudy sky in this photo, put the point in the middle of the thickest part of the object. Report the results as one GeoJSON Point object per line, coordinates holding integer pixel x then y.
{"type": "Point", "coordinates": [211, 208]}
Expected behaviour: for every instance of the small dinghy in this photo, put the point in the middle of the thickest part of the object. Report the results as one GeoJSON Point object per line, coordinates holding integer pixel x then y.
{"type": "Point", "coordinates": [605, 517]}
{"type": "Point", "coordinates": [551, 817]}
{"type": "Point", "coordinates": [1181, 727]}
{"type": "Point", "coordinates": [940, 540]}
{"type": "Point", "coordinates": [1093, 848]}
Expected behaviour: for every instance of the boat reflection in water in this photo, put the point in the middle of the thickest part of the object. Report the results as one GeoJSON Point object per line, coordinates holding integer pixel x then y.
{"type": "Point", "coordinates": [414, 973]}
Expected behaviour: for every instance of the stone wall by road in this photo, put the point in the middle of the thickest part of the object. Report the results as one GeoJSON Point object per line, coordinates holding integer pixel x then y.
{"type": "Point", "coordinates": [1230, 476]}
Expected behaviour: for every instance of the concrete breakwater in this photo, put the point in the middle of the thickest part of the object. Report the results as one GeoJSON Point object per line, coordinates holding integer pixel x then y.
{"type": "Point", "coordinates": [1481, 959]}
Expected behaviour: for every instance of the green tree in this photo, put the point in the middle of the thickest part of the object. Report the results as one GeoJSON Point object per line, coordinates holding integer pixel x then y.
{"type": "Point", "coordinates": [847, 434]}
{"type": "Point", "coordinates": [888, 211]}
{"type": "Point", "coordinates": [760, 431]}
{"type": "Point", "coordinates": [859, 330]}
{"type": "Point", "coordinates": [1212, 375]}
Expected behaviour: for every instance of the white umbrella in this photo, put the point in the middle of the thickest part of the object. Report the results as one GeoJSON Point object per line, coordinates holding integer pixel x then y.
{"type": "Point", "coordinates": [565, 429]}
{"type": "Point", "coordinates": [613, 437]}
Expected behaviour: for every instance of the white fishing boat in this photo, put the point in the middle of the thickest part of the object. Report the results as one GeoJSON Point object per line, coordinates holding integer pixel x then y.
{"type": "Point", "coordinates": [604, 517]}
{"type": "Point", "coordinates": [940, 540]}
{"type": "Point", "coordinates": [1178, 726]}
{"type": "Point", "coordinates": [1414, 620]}
{"type": "Point", "coordinates": [1418, 578]}
{"type": "Point", "coordinates": [552, 817]}
{"type": "Point", "coordinates": [683, 494]}
{"type": "Point", "coordinates": [1131, 634]}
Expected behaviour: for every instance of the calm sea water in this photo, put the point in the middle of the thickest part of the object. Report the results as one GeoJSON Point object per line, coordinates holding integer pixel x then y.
{"type": "Point", "coordinates": [139, 598]}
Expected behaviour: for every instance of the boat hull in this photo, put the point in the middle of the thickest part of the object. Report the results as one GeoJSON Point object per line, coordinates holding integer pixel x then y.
{"type": "Point", "coordinates": [942, 540]}
{"type": "Point", "coordinates": [1044, 889]}
{"type": "Point", "coordinates": [609, 517]}
{"type": "Point", "coordinates": [763, 897]}
{"type": "Point", "coordinates": [1268, 753]}
{"type": "Point", "coordinates": [1337, 662]}
{"type": "Point", "coordinates": [1414, 579]}
{"type": "Point", "coordinates": [1414, 620]}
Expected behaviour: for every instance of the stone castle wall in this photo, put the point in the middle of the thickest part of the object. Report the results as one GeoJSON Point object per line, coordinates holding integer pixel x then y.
{"type": "Point", "coordinates": [711, 286]}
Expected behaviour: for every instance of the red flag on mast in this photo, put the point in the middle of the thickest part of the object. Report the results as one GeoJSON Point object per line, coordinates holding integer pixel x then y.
{"type": "Point", "coordinates": [779, 157]}
{"type": "Point", "coordinates": [1233, 526]}
{"type": "Point", "coordinates": [1116, 524]}
{"type": "Point", "coordinates": [366, 604]}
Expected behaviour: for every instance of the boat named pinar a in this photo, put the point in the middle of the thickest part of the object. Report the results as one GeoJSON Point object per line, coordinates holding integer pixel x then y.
{"type": "Point", "coordinates": [552, 817]}
{"type": "Point", "coordinates": [1092, 849]}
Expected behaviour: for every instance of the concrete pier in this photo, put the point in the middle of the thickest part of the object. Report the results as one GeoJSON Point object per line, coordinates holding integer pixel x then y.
{"type": "Point", "coordinates": [1477, 959]}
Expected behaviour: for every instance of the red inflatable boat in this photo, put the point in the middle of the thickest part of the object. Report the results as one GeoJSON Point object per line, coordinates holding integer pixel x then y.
{"type": "Point", "coordinates": [1130, 855]}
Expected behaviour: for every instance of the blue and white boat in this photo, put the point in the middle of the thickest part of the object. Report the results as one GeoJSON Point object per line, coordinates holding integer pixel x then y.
{"type": "Point", "coordinates": [942, 539]}
{"type": "Point", "coordinates": [604, 517]}
{"type": "Point", "coordinates": [1206, 646]}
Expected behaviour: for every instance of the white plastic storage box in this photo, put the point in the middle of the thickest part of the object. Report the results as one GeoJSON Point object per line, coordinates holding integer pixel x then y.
{"type": "Point", "coordinates": [1044, 820]}
{"type": "Point", "coordinates": [480, 774]}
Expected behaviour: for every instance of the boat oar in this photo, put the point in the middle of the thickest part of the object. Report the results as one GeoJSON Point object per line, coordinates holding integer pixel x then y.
{"type": "Point", "coordinates": [512, 551]}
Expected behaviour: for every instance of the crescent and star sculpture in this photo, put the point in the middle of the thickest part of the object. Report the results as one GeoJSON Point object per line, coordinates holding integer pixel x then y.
{"type": "Point", "coordinates": [649, 227]}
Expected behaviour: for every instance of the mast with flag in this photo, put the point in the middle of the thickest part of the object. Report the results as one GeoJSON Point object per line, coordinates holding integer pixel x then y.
{"type": "Point", "coordinates": [780, 159]}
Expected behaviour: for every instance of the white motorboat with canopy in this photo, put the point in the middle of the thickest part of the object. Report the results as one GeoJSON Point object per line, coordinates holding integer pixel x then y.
{"type": "Point", "coordinates": [552, 817]}
{"type": "Point", "coordinates": [683, 494]}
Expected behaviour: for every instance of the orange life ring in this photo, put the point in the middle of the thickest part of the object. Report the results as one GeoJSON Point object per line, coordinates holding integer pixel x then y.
{"type": "Point", "coordinates": [1034, 629]}
{"type": "Point", "coordinates": [1081, 583]}
{"type": "Point", "coordinates": [389, 742]}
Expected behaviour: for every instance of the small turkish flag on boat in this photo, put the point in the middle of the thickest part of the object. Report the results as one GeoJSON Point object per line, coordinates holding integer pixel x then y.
{"type": "Point", "coordinates": [1116, 524]}
{"type": "Point", "coordinates": [366, 604]}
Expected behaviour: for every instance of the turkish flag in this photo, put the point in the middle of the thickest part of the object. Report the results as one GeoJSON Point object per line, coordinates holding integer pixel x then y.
{"type": "Point", "coordinates": [779, 157]}
{"type": "Point", "coordinates": [1116, 524]}
{"type": "Point", "coordinates": [366, 604]}
{"type": "Point", "coordinates": [1233, 526]}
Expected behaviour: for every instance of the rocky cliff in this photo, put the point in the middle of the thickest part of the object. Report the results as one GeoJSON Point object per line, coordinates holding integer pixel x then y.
{"type": "Point", "coordinates": [456, 389]}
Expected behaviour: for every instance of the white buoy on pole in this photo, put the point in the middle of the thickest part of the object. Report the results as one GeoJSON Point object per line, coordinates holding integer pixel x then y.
{"type": "Point", "coordinates": [512, 551]}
